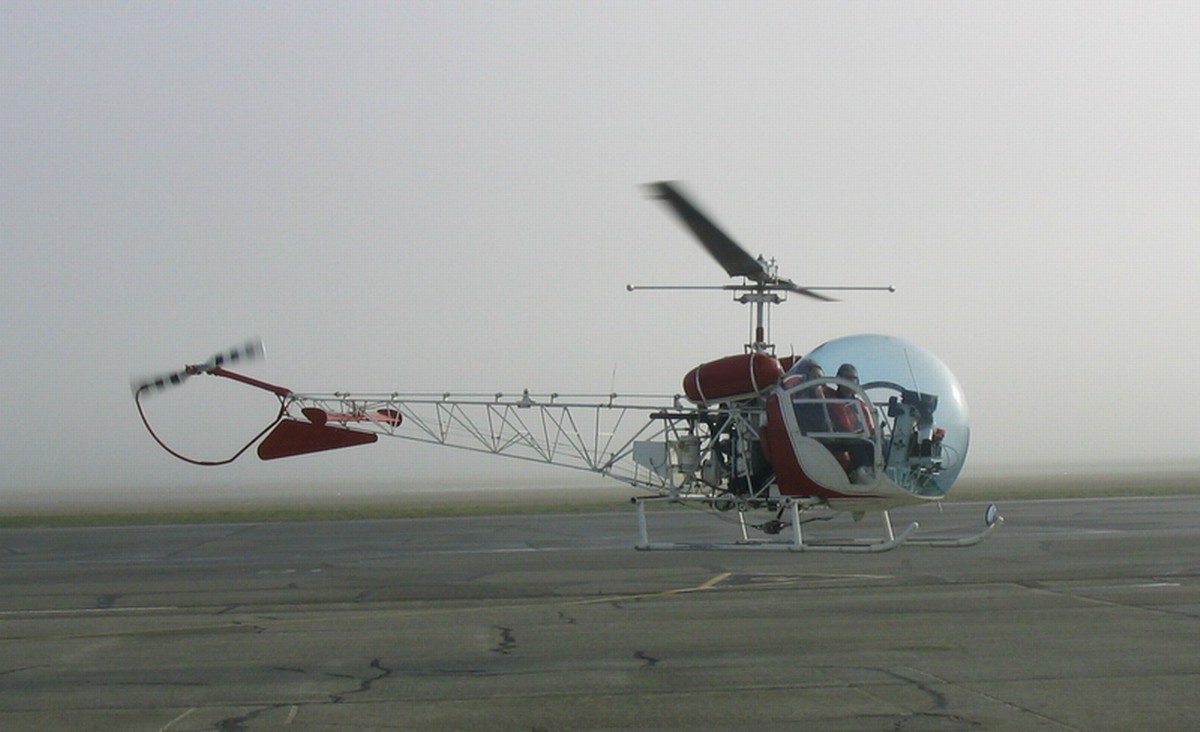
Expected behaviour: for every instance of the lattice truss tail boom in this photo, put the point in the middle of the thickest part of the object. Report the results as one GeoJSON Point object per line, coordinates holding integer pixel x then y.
{"type": "Point", "coordinates": [591, 432]}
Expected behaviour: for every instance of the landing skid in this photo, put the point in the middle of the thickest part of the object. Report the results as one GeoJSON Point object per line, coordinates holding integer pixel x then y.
{"type": "Point", "coordinates": [991, 519]}
{"type": "Point", "coordinates": [798, 543]}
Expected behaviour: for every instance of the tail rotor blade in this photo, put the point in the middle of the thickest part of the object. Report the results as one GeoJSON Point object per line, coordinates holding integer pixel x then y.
{"type": "Point", "coordinates": [156, 384]}
{"type": "Point", "coordinates": [251, 350]}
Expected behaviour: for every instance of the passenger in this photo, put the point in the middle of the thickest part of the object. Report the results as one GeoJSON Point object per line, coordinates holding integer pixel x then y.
{"type": "Point", "coordinates": [847, 372]}
{"type": "Point", "coordinates": [811, 415]}
{"type": "Point", "coordinates": [812, 372]}
{"type": "Point", "coordinates": [855, 417]}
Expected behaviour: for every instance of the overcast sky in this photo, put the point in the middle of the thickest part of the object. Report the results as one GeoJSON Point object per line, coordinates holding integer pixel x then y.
{"type": "Point", "coordinates": [446, 196]}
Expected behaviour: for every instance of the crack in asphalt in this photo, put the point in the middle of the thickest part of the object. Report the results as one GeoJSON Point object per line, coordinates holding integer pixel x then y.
{"type": "Point", "coordinates": [938, 698]}
{"type": "Point", "coordinates": [507, 643]}
{"type": "Point", "coordinates": [1082, 594]}
{"type": "Point", "coordinates": [19, 669]}
{"type": "Point", "coordinates": [908, 719]}
{"type": "Point", "coordinates": [238, 724]}
{"type": "Point", "coordinates": [197, 545]}
{"type": "Point", "coordinates": [366, 684]}
{"type": "Point", "coordinates": [650, 661]}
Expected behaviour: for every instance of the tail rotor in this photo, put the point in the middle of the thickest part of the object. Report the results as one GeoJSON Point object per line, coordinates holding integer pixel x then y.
{"type": "Point", "coordinates": [251, 350]}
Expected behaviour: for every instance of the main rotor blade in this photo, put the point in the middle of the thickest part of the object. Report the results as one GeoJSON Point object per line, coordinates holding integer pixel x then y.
{"type": "Point", "coordinates": [807, 292]}
{"type": "Point", "coordinates": [728, 253]}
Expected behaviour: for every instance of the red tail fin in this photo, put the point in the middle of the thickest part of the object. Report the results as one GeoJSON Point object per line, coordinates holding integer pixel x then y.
{"type": "Point", "coordinates": [292, 437]}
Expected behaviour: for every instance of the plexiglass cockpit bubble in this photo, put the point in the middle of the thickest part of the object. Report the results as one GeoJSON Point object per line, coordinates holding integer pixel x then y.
{"type": "Point", "coordinates": [925, 431]}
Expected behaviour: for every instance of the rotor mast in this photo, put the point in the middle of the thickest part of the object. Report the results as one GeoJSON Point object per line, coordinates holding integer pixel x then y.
{"type": "Point", "coordinates": [761, 297]}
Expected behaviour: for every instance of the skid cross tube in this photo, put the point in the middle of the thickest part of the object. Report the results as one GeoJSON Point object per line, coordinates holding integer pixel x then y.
{"type": "Point", "coordinates": [797, 542]}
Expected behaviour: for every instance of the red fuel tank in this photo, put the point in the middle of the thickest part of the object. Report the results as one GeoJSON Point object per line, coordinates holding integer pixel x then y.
{"type": "Point", "coordinates": [731, 377]}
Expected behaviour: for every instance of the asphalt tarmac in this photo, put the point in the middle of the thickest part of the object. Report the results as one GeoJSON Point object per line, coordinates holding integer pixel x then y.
{"type": "Point", "coordinates": [1079, 614]}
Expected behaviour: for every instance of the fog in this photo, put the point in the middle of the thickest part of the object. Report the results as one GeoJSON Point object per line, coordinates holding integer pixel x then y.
{"type": "Point", "coordinates": [447, 197]}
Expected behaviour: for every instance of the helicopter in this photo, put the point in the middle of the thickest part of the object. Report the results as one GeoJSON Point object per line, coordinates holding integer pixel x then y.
{"type": "Point", "coordinates": [771, 441]}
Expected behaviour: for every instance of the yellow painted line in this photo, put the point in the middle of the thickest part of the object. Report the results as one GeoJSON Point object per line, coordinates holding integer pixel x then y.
{"type": "Point", "coordinates": [707, 585]}
{"type": "Point", "coordinates": [715, 581]}
{"type": "Point", "coordinates": [173, 722]}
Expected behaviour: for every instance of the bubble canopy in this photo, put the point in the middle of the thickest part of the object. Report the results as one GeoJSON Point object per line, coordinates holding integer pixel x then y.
{"type": "Point", "coordinates": [887, 360]}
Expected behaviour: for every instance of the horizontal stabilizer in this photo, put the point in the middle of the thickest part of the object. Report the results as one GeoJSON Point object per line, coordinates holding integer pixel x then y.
{"type": "Point", "coordinates": [293, 437]}
{"type": "Point", "coordinates": [379, 416]}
